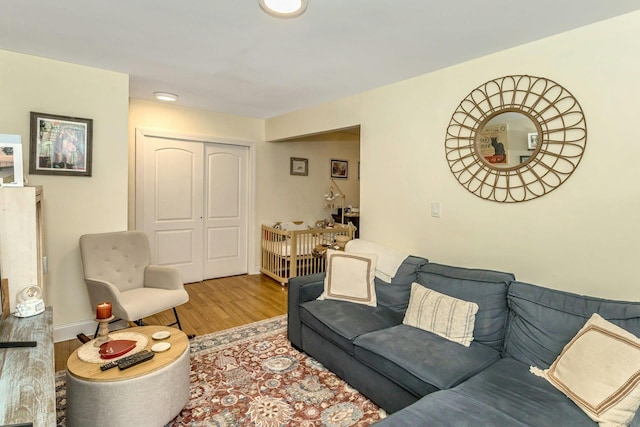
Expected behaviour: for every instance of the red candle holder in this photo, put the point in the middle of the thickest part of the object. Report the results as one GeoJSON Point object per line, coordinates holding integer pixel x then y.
{"type": "Point", "coordinates": [103, 331]}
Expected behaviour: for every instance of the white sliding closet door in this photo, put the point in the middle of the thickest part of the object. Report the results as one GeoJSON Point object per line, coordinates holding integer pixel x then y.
{"type": "Point", "coordinates": [191, 200]}
{"type": "Point", "coordinates": [226, 210]}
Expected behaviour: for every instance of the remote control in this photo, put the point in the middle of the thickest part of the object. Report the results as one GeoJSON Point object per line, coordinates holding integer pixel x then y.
{"type": "Point", "coordinates": [109, 365]}
{"type": "Point", "coordinates": [115, 363]}
{"type": "Point", "coordinates": [143, 356]}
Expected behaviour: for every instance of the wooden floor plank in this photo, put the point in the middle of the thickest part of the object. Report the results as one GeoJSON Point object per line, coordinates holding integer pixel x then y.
{"type": "Point", "coordinates": [214, 305]}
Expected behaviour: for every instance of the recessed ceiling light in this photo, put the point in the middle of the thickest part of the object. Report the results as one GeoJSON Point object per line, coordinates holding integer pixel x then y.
{"type": "Point", "coordinates": [165, 96]}
{"type": "Point", "coordinates": [284, 8]}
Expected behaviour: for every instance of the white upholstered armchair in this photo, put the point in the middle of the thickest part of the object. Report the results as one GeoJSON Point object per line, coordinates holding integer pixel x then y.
{"type": "Point", "coordinates": [117, 269]}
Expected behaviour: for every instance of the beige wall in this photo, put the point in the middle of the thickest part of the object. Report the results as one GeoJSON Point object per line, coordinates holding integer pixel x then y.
{"type": "Point", "coordinates": [72, 205]}
{"type": "Point", "coordinates": [583, 237]}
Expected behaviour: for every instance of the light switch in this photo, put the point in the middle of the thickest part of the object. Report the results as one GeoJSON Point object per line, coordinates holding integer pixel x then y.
{"type": "Point", "coordinates": [435, 209]}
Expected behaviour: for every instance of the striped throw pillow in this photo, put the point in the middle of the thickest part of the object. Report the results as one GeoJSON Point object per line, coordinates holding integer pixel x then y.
{"type": "Point", "coordinates": [446, 316]}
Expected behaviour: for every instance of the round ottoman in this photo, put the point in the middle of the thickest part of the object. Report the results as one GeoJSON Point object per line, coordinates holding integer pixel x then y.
{"type": "Point", "coordinates": [149, 394]}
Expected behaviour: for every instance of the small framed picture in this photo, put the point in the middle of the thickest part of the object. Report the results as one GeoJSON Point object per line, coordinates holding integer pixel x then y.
{"type": "Point", "coordinates": [532, 141]}
{"type": "Point", "coordinates": [60, 145]}
{"type": "Point", "coordinates": [299, 166]}
{"type": "Point", "coordinates": [339, 168]}
{"type": "Point", "coordinates": [11, 161]}
{"type": "Point", "coordinates": [524, 159]}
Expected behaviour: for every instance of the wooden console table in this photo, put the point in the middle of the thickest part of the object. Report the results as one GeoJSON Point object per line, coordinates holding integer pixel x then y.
{"type": "Point", "coordinates": [27, 378]}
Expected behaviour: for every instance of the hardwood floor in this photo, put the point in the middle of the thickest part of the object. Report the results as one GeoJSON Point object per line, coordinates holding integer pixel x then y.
{"type": "Point", "coordinates": [213, 305]}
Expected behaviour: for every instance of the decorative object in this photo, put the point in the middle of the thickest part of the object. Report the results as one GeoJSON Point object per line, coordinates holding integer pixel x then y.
{"type": "Point", "coordinates": [532, 141]}
{"type": "Point", "coordinates": [555, 116]}
{"type": "Point", "coordinates": [116, 348]}
{"type": "Point", "coordinates": [103, 331]}
{"type": "Point", "coordinates": [60, 145]}
{"type": "Point", "coordinates": [11, 174]}
{"type": "Point", "coordinates": [284, 8]}
{"type": "Point", "coordinates": [103, 310]}
{"type": "Point", "coordinates": [251, 375]}
{"type": "Point", "coordinates": [493, 142]}
{"type": "Point", "coordinates": [339, 168]}
{"type": "Point", "coordinates": [299, 166]}
{"type": "Point", "coordinates": [29, 301]}
{"type": "Point", "coordinates": [524, 159]}
{"type": "Point", "coordinates": [91, 354]}
{"type": "Point", "coordinates": [332, 194]}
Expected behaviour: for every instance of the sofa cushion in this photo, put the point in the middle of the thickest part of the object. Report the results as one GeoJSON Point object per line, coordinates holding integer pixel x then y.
{"type": "Point", "coordinates": [487, 288]}
{"type": "Point", "coordinates": [544, 320]}
{"type": "Point", "coordinates": [350, 277]}
{"type": "Point", "coordinates": [341, 322]}
{"type": "Point", "coordinates": [395, 294]}
{"type": "Point", "coordinates": [504, 394]}
{"type": "Point", "coordinates": [446, 316]}
{"type": "Point", "coordinates": [420, 361]}
{"type": "Point", "coordinates": [600, 370]}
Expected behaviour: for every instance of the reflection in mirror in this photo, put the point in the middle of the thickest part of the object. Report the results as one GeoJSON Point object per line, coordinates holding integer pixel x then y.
{"type": "Point", "coordinates": [503, 141]}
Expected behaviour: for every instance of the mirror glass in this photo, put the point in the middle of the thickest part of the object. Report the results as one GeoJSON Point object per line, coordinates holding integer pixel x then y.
{"type": "Point", "coordinates": [507, 139]}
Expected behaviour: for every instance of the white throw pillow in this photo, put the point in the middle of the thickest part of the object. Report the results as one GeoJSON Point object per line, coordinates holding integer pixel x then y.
{"type": "Point", "coordinates": [441, 314]}
{"type": "Point", "coordinates": [599, 370]}
{"type": "Point", "coordinates": [350, 277]}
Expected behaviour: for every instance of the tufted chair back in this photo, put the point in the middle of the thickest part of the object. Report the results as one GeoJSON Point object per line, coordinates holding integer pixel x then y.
{"type": "Point", "coordinates": [119, 258]}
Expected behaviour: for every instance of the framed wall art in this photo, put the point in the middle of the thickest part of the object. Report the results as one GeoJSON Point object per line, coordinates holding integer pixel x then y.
{"type": "Point", "coordinates": [339, 168]}
{"type": "Point", "coordinates": [532, 140]}
{"type": "Point", "coordinates": [11, 174]}
{"type": "Point", "coordinates": [60, 145]}
{"type": "Point", "coordinates": [299, 166]}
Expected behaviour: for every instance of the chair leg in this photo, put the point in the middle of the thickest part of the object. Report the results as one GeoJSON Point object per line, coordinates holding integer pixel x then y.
{"type": "Point", "coordinates": [175, 312]}
{"type": "Point", "coordinates": [177, 322]}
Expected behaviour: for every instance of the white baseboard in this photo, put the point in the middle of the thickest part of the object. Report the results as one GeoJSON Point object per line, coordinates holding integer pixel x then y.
{"type": "Point", "coordinates": [88, 327]}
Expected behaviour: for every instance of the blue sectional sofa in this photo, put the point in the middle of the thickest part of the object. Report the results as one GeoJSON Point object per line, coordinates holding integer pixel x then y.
{"type": "Point", "coordinates": [423, 379]}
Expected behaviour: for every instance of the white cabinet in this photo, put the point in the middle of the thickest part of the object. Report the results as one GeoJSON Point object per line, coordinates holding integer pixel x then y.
{"type": "Point", "coordinates": [21, 239]}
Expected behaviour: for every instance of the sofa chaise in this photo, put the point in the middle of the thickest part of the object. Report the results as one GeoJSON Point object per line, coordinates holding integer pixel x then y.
{"type": "Point", "coordinates": [422, 378]}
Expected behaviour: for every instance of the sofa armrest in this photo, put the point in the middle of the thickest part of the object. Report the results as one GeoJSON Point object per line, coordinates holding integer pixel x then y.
{"type": "Point", "coordinates": [162, 277]}
{"type": "Point", "coordinates": [301, 289]}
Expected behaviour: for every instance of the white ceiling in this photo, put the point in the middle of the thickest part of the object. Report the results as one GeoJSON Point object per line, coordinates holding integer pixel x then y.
{"type": "Point", "coordinates": [230, 57]}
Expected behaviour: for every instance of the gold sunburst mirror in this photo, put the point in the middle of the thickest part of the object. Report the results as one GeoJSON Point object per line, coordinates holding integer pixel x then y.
{"type": "Point", "coordinates": [515, 138]}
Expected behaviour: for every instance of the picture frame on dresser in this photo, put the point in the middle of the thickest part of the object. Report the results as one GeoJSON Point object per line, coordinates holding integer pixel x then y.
{"type": "Point", "coordinates": [60, 145]}
{"type": "Point", "coordinates": [11, 174]}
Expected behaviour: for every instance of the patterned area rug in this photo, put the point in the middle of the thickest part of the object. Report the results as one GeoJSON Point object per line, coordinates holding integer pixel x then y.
{"type": "Point", "coordinates": [251, 376]}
